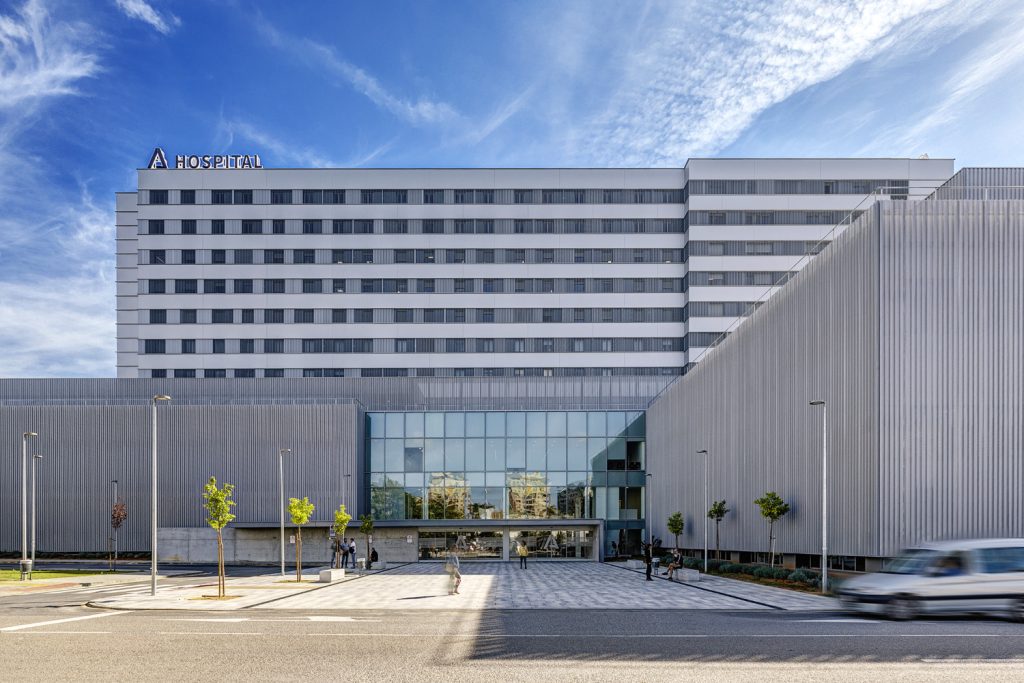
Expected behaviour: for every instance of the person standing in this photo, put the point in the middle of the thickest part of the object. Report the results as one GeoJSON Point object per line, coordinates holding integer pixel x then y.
{"type": "Point", "coordinates": [648, 560]}
{"type": "Point", "coordinates": [451, 565]}
{"type": "Point", "coordinates": [523, 552]}
{"type": "Point", "coordinates": [352, 551]}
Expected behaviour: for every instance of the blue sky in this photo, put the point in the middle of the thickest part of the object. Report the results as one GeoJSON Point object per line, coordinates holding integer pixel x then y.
{"type": "Point", "coordinates": [87, 89]}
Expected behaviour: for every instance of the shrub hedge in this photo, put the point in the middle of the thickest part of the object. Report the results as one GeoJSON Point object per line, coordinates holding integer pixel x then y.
{"type": "Point", "coordinates": [805, 576]}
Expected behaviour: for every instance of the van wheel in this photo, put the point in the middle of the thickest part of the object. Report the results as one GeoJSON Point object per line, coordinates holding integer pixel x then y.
{"type": "Point", "coordinates": [1017, 611]}
{"type": "Point", "coordinates": [902, 608]}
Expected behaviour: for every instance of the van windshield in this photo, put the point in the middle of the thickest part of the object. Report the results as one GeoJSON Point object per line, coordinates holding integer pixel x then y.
{"type": "Point", "coordinates": [913, 561]}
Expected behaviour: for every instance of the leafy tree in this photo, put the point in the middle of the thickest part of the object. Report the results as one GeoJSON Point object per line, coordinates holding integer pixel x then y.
{"type": "Point", "coordinates": [772, 508]}
{"type": "Point", "coordinates": [366, 528]}
{"type": "Point", "coordinates": [118, 515]}
{"type": "Point", "coordinates": [300, 510]}
{"type": "Point", "coordinates": [716, 512]}
{"type": "Point", "coordinates": [675, 525]}
{"type": "Point", "coordinates": [341, 520]}
{"type": "Point", "coordinates": [218, 504]}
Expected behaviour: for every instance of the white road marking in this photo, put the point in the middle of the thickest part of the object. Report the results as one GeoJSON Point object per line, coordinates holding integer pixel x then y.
{"type": "Point", "coordinates": [60, 621]}
{"type": "Point", "coordinates": [329, 618]}
{"type": "Point", "coordinates": [839, 621]}
{"type": "Point", "coordinates": [65, 633]}
{"type": "Point", "coordinates": [212, 633]}
{"type": "Point", "coordinates": [224, 620]}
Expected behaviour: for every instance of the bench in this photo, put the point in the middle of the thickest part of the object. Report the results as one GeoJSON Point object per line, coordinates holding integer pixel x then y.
{"type": "Point", "coordinates": [686, 575]}
{"type": "Point", "coordinates": [331, 575]}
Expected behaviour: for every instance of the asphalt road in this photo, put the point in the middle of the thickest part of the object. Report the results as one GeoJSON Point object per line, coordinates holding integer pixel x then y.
{"type": "Point", "coordinates": [71, 642]}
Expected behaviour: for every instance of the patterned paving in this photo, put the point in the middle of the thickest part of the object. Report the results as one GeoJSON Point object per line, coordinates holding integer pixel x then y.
{"type": "Point", "coordinates": [544, 585]}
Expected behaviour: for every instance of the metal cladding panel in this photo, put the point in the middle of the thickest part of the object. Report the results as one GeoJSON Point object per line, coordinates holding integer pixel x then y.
{"type": "Point", "coordinates": [952, 363]}
{"type": "Point", "coordinates": [85, 447]}
{"type": "Point", "coordinates": [747, 403]}
{"type": "Point", "coordinates": [983, 183]}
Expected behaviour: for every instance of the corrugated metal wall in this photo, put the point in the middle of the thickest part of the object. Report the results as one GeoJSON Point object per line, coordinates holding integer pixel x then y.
{"type": "Point", "coordinates": [911, 326]}
{"type": "Point", "coordinates": [85, 447]}
{"type": "Point", "coordinates": [746, 402]}
{"type": "Point", "coordinates": [952, 363]}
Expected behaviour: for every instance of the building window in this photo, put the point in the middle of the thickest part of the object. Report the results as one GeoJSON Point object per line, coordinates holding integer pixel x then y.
{"type": "Point", "coordinates": [187, 197]}
{"type": "Point", "coordinates": [243, 256]}
{"type": "Point", "coordinates": [424, 256]}
{"type": "Point", "coordinates": [304, 315]}
{"type": "Point", "coordinates": [241, 373]}
{"type": "Point", "coordinates": [485, 256]}
{"type": "Point", "coordinates": [455, 315]}
{"type": "Point", "coordinates": [312, 196]}
{"type": "Point", "coordinates": [157, 256]}
{"type": "Point", "coordinates": [188, 256]}
{"type": "Point", "coordinates": [273, 286]}
{"type": "Point", "coordinates": [522, 196]}
{"type": "Point", "coordinates": [338, 315]}
{"type": "Point", "coordinates": [273, 255]}
{"type": "Point", "coordinates": [463, 196]}
{"type": "Point", "coordinates": [184, 374]}
{"type": "Point", "coordinates": [214, 374]}
{"type": "Point", "coordinates": [186, 287]}
{"type": "Point", "coordinates": [455, 256]}
{"type": "Point", "coordinates": [220, 196]}
{"type": "Point", "coordinates": [404, 255]}
{"type": "Point", "coordinates": [218, 346]}
{"type": "Point", "coordinates": [273, 316]}
{"type": "Point", "coordinates": [425, 286]}
{"type": "Point", "coordinates": [156, 227]}
{"type": "Point", "coordinates": [278, 226]}
{"type": "Point", "coordinates": [217, 227]}
{"type": "Point", "coordinates": [157, 316]}
{"type": "Point", "coordinates": [248, 315]}
{"type": "Point", "coordinates": [273, 346]}
{"type": "Point", "coordinates": [188, 226]}
{"type": "Point", "coordinates": [158, 196]}
{"type": "Point", "coordinates": [280, 196]}
{"type": "Point", "coordinates": [157, 287]}
{"type": "Point", "coordinates": [338, 286]}
{"type": "Point", "coordinates": [384, 196]}
{"type": "Point", "coordinates": [304, 256]}
{"type": "Point", "coordinates": [246, 346]}
{"type": "Point", "coordinates": [312, 227]}
{"type": "Point", "coordinates": [243, 196]}
{"type": "Point", "coordinates": [362, 315]}
{"type": "Point", "coordinates": [158, 374]}
{"type": "Point", "coordinates": [187, 316]}
{"type": "Point", "coordinates": [434, 226]}
{"type": "Point", "coordinates": [362, 227]}
{"type": "Point", "coordinates": [463, 285]}
{"type": "Point", "coordinates": [312, 286]}
{"type": "Point", "coordinates": [396, 227]}
{"type": "Point", "coordinates": [433, 196]}
{"type": "Point", "coordinates": [223, 315]}
{"type": "Point", "coordinates": [214, 286]}
{"type": "Point", "coordinates": [273, 372]}
{"type": "Point", "coordinates": [188, 345]}
{"type": "Point", "coordinates": [218, 256]}
{"type": "Point", "coordinates": [455, 346]}
{"type": "Point", "coordinates": [433, 315]}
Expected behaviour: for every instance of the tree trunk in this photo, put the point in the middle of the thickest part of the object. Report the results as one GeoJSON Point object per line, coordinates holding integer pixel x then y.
{"type": "Point", "coordinates": [298, 555]}
{"type": "Point", "coordinates": [677, 541]}
{"type": "Point", "coordinates": [718, 551]}
{"type": "Point", "coordinates": [220, 564]}
{"type": "Point", "coordinates": [771, 544]}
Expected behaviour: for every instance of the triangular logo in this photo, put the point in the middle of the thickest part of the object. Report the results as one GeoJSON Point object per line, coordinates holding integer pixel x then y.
{"type": "Point", "coordinates": [158, 160]}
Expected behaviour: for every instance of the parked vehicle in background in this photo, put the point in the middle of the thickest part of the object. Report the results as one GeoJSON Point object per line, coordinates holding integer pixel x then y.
{"type": "Point", "coordinates": [975, 576]}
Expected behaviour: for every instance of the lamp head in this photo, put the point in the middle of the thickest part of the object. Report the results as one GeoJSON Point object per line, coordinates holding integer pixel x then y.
{"type": "Point", "coordinates": [28, 434]}
{"type": "Point", "coordinates": [282, 451]}
{"type": "Point", "coordinates": [816, 403]}
{"type": "Point", "coordinates": [703, 450]}
{"type": "Point", "coordinates": [161, 397]}
{"type": "Point", "coordinates": [37, 457]}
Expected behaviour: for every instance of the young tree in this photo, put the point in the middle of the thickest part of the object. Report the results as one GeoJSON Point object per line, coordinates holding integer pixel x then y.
{"type": "Point", "coordinates": [716, 512]}
{"type": "Point", "coordinates": [341, 520]}
{"type": "Point", "coordinates": [772, 508]}
{"type": "Point", "coordinates": [366, 528]}
{"type": "Point", "coordinates": [218, 504]}
{"type": "Point", "coordinates": [118, 515]}
{"type": "Point", "coordinates": [300, 510]}
{"type": "Point", "coordinates": [675, 525]}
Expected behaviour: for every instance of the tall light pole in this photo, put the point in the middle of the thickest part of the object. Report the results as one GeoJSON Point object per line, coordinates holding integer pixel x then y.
{"type": "Point", "coordinates": [114, 529]}
{"type": "Point", "coordinates": [33, 562]}
{"type": "Point", "coordinates": [705, 452]}
{"type": "Point", "coordinates": [152, 563]}
{"type": "Point", "coordinates": [824, 493]}
{"type": "Point", "coordinates": [280, 481]}
{"type": "Point", "coordinates": [650, 524]}
{"type": "Point", "coordinates": [25, 567]}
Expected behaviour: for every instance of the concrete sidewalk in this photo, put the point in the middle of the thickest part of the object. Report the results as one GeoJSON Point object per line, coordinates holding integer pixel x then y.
{"type": "Point", "coordinates": [242, 591]}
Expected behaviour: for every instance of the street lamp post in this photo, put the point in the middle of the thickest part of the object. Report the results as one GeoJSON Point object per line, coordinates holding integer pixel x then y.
{"type": "Point", "coordinates": [114, 529]}
{"type": "Point", "coordinates": [280, 482]}
{"type": "Point", "coordinates": [705, 452]}
{"type": "Point", "coordinates": [32, 565]}
{"type": "Point", "coordinates": [152, 563]}
{"type": "Point", "coordinates": [650, 524]}
{"type": "Point", "coordinates": [25, 566]}
{"type": "Point", "coordinates": [824, 493]}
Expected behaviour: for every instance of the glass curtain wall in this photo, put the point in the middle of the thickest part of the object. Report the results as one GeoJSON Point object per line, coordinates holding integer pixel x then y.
{"type": "Point", "coordinates": [506, 465]}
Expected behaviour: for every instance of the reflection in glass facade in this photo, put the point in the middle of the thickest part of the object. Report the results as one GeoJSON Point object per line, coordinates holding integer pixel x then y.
{"type": "Point", "coordinates": [507, 466]}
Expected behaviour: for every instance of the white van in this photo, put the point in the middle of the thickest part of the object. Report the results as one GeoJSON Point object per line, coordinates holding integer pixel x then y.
{"type": "Point", "coordinates": [950, 577]}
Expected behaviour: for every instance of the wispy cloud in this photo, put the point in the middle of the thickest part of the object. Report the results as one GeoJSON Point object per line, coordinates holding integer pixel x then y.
{"type": "Point", "coordinates": [143, 11]}
{"type": "Point", "coordinates": [705, 71]}
{"type": "Point", "coordinates": [229, 129]}
{"type": "Point", "coordinates": [40, 59]}
{"type": "Point", "coordinates": [421, 111]}
{"type": "Point", "coordinates": [498, 119]}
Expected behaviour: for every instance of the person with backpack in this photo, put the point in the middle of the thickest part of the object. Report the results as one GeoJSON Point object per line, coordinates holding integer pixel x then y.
{"type": "Point", "coordinates": [523, 552]}
{"type": "Point", "coordinates": [343, 552]}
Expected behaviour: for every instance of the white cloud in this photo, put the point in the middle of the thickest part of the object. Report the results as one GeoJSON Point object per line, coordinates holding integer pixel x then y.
{"type": "Point", "coordinates": [40, 59]}
{"type": "Point", "coordinates": [701, 73]}
{"type": "Point", "coordinates": [417, 112]}
{"type": "Point", "coordinates": [283, 152]}
{"type": "Point", "coordinates": [143, 11]}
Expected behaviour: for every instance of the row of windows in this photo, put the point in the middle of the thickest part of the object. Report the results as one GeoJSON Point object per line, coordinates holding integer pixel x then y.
{"type": "Point", "coordinates": [741, 248]}
{"type": "Point", "coordinates": [389, 256]}
{"type": "Point", "coordinates": [420, 285]}
{"type": "Point", "coordinates": [719, 309]}
{"type": "Point", "coordinates": [417, 345]}
{"type": "Point", "coordinates": [426, 226]}
{"type": "Point", "coordinates": [738, 279]}
{"type": "Point", "coordinates": [696, 340]}
{"type": "Point", "coordinates": [771, 217]}
{"type": "Point", "coordinates": [416, 315]}
{"type": "Point", "coordinates": [766, 187]}
{"type": "Point", "coordinates": [427, 196]}
{"type": "Point", "coordinates": [415, 372]}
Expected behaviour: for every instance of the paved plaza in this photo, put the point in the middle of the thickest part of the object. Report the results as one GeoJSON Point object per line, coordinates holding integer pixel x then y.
{"type": "Point", "coordinates": [544, 585]}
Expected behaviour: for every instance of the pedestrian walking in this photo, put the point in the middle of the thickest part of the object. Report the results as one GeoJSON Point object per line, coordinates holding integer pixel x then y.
{"type": "Point", "coordinates": [523, 552]}
{"type": "Point", "coordinates": [451, 565]}
{"type": "Point", "coordinates": [352, 551]}
{"type": "Point", "coordinates": [648, 560]}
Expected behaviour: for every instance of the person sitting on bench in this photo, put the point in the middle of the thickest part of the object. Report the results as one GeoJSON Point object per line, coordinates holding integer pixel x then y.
{"type": "Point", "coordinates": [675, 563]}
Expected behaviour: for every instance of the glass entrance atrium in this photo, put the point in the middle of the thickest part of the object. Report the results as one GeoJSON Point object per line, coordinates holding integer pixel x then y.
{"type": "Point", "coordinates": [501, 466]}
